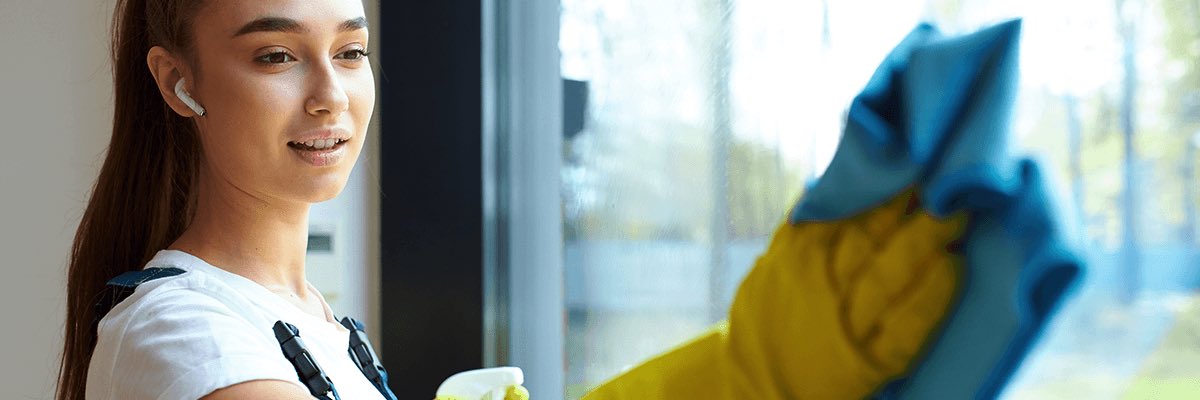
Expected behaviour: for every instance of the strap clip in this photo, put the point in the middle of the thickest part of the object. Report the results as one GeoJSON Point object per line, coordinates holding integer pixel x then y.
{"type": "Point", "coordinates": [319, 384]}
{"type": "Point", "coordinates": [364, 357]}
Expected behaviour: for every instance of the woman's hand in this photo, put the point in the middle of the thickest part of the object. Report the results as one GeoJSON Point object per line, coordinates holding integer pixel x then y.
{"type": "Point", "coordinates": [837, 309]}
{"type": "Point", "coordinates": [832, 310]}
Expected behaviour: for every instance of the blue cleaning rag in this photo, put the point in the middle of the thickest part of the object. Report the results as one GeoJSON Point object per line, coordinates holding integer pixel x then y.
{"type": "Point", "coordinates": [936, 116]}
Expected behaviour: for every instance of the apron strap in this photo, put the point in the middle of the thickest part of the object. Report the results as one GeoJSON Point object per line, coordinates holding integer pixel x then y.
{"type": "Point", "coordinates": [121, 287]}
{"type": "Point", "coordinates": [364, 357]}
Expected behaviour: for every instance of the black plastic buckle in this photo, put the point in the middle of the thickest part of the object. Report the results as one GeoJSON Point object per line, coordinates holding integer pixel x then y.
{"type": "Point", "coordinates": [364, 357]}
{"type": "Point", "coordinates": [319, 384]}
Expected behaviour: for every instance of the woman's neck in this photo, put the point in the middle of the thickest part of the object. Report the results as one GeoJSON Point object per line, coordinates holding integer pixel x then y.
{"type": "Point", "coordinates": [263, 240]}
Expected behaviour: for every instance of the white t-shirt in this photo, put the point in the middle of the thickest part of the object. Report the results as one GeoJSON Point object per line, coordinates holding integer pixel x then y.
{"type": "Point", "coordinates": [185, 336]}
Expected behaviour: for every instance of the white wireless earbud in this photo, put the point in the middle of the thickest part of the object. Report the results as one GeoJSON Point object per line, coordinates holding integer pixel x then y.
{"type": "Point", "coordinates": [187, 99]}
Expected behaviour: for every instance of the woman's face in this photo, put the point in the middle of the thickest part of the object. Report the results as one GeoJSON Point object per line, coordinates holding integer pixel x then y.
{"type": "Point", "coordinates": [277, 78]}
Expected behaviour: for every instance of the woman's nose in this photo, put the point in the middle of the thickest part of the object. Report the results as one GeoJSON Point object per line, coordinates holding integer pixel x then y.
{"type": "Point", "coordinates": [327, 95]}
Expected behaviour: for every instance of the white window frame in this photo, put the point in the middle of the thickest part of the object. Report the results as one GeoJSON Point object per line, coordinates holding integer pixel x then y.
{"type": "Point", "coordinates": [522, 159]}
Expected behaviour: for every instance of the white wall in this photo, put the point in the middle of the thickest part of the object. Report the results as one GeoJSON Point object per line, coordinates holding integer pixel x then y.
{"type": "Point", "coordinates": [55, 103]}
{"type": "Point", "coordinates": [55, 117]}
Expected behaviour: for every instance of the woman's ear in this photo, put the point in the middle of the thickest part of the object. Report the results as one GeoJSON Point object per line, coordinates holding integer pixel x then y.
{"type": "Point", "coordinates": [168, 71]}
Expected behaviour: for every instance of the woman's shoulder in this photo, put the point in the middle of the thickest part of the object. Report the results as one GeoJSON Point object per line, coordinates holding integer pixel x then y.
{"type": "Point", "coordinates": [189, 302]}
{"type": "Point", "coordinates": [182, 291]}
{"type": "Point", "coordinates": [190, 295]}
{"type": "Point", "coordinates": [182, 334]}
{"type": "Point", "coordinates": [189, 287]}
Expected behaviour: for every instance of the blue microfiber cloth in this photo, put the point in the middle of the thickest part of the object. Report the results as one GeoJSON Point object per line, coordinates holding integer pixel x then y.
{"type": "Point", "coordinates": [936, 116]}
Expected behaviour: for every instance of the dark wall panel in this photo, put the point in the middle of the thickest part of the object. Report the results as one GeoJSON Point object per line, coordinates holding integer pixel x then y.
{"type": "Point", "coordinates": [430, 163]}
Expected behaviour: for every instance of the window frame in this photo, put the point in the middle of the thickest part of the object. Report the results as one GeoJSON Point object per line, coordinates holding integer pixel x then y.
{"type": "Point", "coordinates": [470, 212]}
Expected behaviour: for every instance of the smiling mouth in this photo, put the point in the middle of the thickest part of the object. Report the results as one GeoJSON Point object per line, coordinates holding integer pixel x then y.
{"type": "Point", "coordinates": [317, 145]}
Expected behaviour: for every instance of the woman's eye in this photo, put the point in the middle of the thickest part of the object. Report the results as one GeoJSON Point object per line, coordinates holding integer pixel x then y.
{"type": "Point", "coordinates": [278, 57]}
{"type": "Point", "coordinates": [355, 54]}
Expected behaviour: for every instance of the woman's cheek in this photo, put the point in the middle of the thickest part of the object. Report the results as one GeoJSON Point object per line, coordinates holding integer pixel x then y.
{"type": "Point", "coordinates": [275, 97]}
{"type": "Point", "coordinates": [363, 101]}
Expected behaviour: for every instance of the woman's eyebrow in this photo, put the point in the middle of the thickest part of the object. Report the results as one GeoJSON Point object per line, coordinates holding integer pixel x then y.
{"type": "Point", "coordinates": [288, 25]}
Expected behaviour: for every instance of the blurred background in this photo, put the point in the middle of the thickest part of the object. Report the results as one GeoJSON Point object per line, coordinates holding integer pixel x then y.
{"type": "Point", "coordinates": [574, 186]}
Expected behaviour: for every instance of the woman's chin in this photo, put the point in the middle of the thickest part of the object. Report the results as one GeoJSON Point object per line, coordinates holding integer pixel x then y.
{"type": "Point", "coordinates": [326, 195]}
{"type": "Point", "coordinates": [323, 197]}
{"type": "Point", "coordinates": [317, 190]}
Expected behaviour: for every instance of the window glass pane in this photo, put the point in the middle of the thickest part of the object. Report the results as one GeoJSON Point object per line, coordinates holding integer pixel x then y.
{"type": "Point", "coordinates": [704, 119]}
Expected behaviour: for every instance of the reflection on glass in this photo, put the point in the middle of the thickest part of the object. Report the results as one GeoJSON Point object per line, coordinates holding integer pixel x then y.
{"type": "Point", "coordinates": [705, 119]}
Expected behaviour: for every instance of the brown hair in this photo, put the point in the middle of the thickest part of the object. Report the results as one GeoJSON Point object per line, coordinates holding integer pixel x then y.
{"type": "Point", "coordinates": [144, 196]}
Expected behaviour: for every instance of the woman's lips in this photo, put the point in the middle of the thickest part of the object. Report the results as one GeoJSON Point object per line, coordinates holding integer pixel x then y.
{"type": "Point", "coordinates": [318, 156]}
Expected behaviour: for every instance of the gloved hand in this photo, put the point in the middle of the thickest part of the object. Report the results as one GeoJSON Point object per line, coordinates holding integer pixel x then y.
{"type": "Point", "coordinates": [832, 310]}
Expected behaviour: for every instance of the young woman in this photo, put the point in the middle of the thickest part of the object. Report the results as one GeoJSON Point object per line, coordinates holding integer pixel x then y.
{"type": "Point", "coordinates": [231, 118]}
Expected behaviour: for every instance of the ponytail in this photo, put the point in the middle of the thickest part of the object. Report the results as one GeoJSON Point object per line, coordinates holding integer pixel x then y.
{"type": "Point", "coordinates": [143, 198]}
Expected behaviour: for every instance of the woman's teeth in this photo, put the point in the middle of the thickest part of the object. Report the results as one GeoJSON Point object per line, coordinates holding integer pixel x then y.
{"type": "Point", "coordinates": [318, 144]}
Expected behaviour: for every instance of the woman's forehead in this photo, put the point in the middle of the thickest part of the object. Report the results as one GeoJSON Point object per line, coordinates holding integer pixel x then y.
{"type": "Point", "coordinates": [232, 18]}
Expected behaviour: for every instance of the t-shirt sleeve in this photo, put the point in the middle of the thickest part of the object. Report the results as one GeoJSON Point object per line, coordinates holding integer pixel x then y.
{"type": "Point", "coordinates": [182, 344]}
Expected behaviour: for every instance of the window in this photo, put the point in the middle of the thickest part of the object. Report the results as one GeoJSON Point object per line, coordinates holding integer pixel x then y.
{"type": "Point", "coordinates": [704, 119]}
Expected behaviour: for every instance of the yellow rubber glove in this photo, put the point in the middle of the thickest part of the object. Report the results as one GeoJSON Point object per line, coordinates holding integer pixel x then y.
{"type": "Point", "coordinates": [832, 310]}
